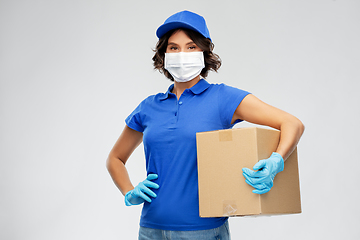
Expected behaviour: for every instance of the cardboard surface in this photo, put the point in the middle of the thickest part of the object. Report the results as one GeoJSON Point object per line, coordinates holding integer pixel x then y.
{"type": "Point", "coordinates": [222, 188]}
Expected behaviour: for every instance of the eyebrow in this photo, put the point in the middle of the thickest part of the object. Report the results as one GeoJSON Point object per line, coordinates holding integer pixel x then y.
{"type": "Point", "coordinates": [189, 43]}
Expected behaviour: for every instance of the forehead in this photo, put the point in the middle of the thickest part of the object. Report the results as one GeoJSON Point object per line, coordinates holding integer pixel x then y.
{"type": "Point", "coordinates": [179, 37]}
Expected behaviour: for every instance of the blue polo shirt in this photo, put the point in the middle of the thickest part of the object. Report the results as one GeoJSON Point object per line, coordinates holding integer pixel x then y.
{"type": "Point", "coordinates": [169, 128]}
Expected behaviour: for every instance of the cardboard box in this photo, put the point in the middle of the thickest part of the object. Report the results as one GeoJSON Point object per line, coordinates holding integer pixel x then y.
{"type": "Point", "coordinates": [222, 188]}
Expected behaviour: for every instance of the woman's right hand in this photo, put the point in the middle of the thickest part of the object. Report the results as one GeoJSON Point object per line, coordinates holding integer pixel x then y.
{"type": "Point", "coordinates": [142, 191]}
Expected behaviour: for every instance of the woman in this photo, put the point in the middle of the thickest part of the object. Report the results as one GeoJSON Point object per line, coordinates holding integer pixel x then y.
{"type": "Point", "coordinates": [167, 124]}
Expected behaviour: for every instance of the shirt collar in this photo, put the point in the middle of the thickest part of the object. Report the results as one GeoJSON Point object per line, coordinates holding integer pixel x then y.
{"type": "Point", "coordinates": [198, 88]}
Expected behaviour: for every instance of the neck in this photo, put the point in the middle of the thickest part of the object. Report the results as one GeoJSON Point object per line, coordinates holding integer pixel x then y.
{"type": "Point", "coordinates": [179, 87]}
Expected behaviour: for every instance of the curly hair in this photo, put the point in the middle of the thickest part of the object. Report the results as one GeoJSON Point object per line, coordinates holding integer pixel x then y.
{"type": "Point", "coordinates": [212, 60]}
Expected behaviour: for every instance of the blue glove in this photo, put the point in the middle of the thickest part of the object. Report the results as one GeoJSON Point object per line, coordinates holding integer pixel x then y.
{"type": "Point", "coordinates": [266, 169]}
{"type": "Point", "coordinates": [142, 191]}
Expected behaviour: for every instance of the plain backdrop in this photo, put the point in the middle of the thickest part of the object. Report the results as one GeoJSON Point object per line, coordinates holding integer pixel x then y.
{"type": "Point", "coordinates": [72, 71]}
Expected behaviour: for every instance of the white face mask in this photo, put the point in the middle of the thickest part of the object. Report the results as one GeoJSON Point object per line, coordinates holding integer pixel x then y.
{"type": "Point", "coordinates": [184, 66]}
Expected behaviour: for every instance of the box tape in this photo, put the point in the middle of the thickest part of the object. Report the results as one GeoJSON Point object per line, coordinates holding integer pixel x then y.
{"type": "Point", "coordinates": [229, 207]}
{"type": "Point", "coordinates": [225, 135]}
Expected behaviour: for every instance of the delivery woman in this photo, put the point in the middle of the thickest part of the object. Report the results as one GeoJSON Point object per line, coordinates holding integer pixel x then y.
{"type": "Point", "coordinates": [167, 123]}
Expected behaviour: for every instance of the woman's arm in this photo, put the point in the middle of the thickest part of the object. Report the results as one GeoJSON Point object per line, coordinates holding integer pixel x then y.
{"type": "Point", "coordinates": [128, 141]}
{"type": "Point", "coordinates": [253, 110]}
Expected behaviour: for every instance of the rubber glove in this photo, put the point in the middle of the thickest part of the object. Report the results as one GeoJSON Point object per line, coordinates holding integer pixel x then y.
{"type": "Point", "coordinates": [142, 191]}
{"type": "Point", "coordinates": [266, 169]}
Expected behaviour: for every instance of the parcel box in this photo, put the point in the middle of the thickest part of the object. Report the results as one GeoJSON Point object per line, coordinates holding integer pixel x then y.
{"type": "Point", "coordinates": [222, 188]}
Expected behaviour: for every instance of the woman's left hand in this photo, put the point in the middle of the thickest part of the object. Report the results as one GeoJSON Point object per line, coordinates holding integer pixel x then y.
{"type": "Point", "coordinates": [266, 169]}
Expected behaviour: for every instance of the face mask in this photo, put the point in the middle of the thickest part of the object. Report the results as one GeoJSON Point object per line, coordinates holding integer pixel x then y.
{"type": "Point", "coordinates": [184, 66]}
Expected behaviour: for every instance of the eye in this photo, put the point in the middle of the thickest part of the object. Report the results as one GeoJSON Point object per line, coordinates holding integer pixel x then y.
{"type": "Point", "coordinates": [172, 48]}
{"type": "Point", "coordinates": [192, 47]}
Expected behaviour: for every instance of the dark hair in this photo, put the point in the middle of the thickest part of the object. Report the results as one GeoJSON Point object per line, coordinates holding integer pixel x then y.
{"type": "Point", "coordinates": [212, 60]}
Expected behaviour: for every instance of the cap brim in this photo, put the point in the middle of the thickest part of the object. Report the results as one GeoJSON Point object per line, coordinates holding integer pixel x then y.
{"type": "Point", "coordinates": [163, 29]}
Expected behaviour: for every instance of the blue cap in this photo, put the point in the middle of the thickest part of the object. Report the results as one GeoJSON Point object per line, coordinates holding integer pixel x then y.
{"type": "Point", "coordinates": [184, 19]}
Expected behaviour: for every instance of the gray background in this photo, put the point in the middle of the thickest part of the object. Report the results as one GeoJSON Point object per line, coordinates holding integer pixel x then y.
{"type": "Point", "coordinates": [71, 71]}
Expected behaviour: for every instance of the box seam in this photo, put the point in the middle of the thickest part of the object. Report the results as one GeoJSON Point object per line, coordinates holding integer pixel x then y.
{"type": "Point", "coordinates": [257, 157]}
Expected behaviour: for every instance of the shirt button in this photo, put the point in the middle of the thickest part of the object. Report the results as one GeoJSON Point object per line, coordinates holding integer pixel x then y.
{"type": "Point", "coordinates": [180, 103]}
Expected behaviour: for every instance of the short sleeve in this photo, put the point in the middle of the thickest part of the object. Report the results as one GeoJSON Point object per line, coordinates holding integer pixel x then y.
{"type": "Point", "coordinates": [133, 121]}
{"type": "Point", "coordinates": [229, 100]}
